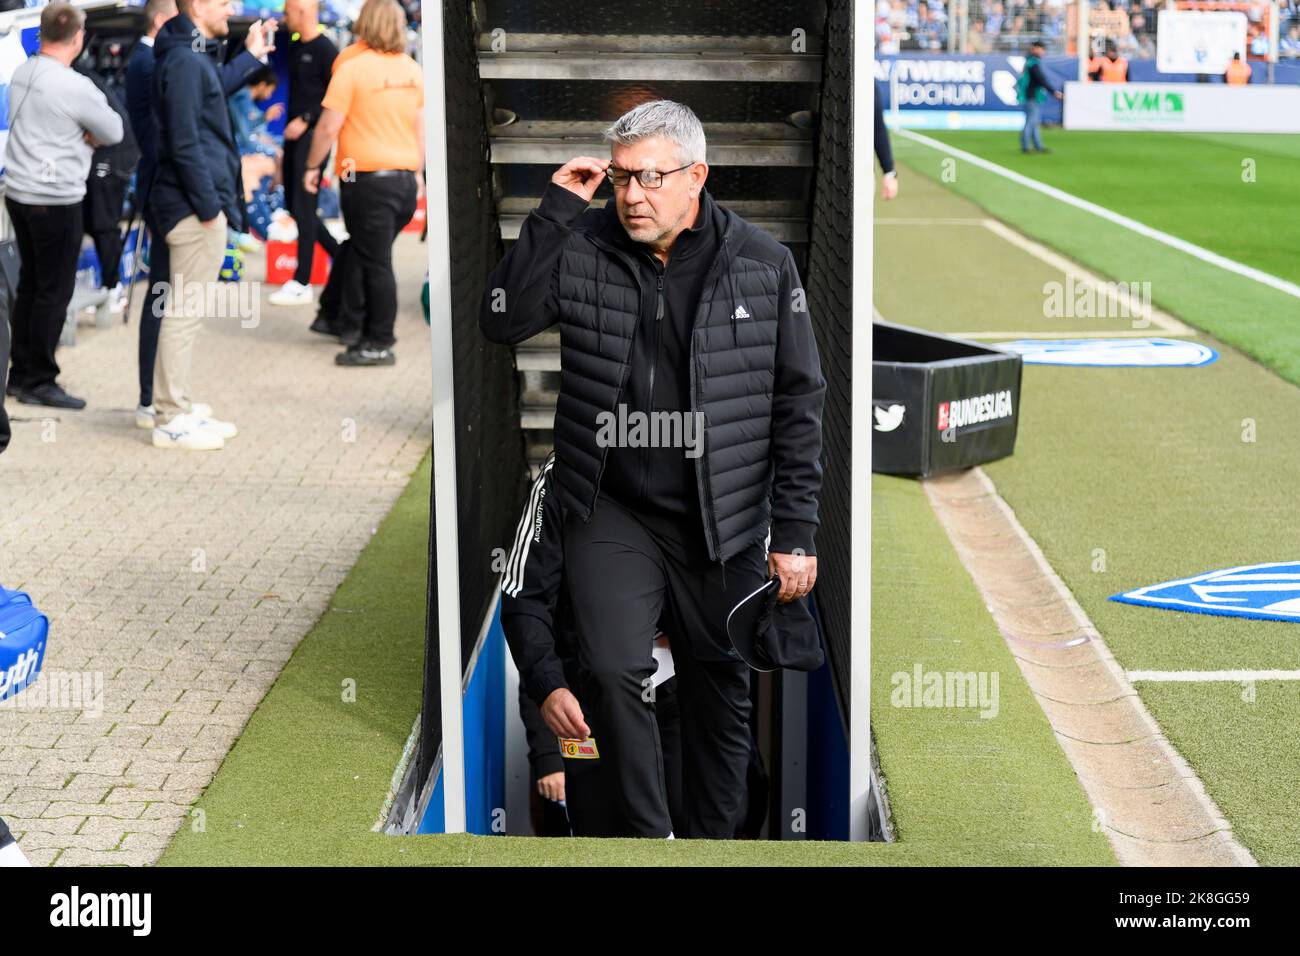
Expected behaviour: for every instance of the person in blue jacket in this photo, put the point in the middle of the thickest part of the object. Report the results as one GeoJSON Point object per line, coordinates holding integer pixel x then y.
{"type": "Point", "coordinates": [1033, 87]}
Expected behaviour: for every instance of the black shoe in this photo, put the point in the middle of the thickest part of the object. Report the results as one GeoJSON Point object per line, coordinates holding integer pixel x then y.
{"type": "Point", "coordinates": [358, 356]}
{"type": "Point", "coordinates": [51, 395]}
{"type": "Point", "coordinates": [324, 326]}
{"type": "Point", "coordinates": [12, 390]}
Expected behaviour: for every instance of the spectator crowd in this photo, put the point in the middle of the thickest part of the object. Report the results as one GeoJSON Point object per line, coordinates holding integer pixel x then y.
{"type": "Point", "coordinates": [1010, 26]}
{"type": "Point", "coordinates": [190, 132]}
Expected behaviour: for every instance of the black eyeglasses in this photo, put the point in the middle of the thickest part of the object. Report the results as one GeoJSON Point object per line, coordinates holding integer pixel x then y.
{"type": "Point", "coordinates": [648, 178]}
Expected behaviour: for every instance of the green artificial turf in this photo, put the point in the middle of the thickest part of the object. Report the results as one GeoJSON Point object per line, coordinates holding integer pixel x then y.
{"type": "Point", "coordinates": [992, 791]}
{"type": "Point", "coordinates": [1190, 185]}
{"type": "Point", "coordinates": [1133, 476]}
{"type": "Point", "coordinates": [1244, 738]}
{"type": "Point", "coordinates": [304, 783]}
{"type": "Point", "coordinates": [1181, 186]}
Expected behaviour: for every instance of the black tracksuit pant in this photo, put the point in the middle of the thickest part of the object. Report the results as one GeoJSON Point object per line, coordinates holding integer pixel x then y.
{"type": "Point", "coordinates": [302, 207]}
{"type": "Point", "coordinates": [49, 242]}
{"type": "Point", "coordinates": [623, 570]}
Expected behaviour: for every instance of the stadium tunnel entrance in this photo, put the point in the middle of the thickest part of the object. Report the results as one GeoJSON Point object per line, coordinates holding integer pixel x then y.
{"type": "Point", "coordinates": [524, 93]}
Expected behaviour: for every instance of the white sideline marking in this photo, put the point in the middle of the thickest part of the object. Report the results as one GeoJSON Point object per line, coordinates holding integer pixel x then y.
{"type": "Point", "coordinates": [1127, 303]}
{"type": "Point", "coordinates": [1090, 334]}
{"type": "Point", "coordinates": [1206, 676]}
{"type": "Point", "coordinates": [1182, 245]}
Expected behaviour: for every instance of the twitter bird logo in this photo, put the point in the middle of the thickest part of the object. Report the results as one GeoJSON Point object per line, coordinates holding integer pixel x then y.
{"type": "Point", "coordinates": [887, 419]}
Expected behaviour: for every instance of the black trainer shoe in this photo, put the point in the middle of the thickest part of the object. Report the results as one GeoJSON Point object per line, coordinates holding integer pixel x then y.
{"type": "Point", "coordinates": [51, 395]}
{"type": "Point", "coordinates": [323, 326]}
{"type": "Point", "coordinates": [365, 356]}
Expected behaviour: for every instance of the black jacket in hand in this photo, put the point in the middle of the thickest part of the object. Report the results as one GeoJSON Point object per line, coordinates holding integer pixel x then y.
{"type": "Point", "coordinates": [754, 371]}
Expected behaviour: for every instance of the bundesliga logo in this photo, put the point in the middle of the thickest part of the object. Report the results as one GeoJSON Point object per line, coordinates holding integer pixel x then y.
{"type": "Point", "coordinates": [974, 411]}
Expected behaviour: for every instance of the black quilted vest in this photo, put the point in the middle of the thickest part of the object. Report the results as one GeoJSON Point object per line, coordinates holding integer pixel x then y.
{"type": "Point", "coordinates": [733, 352]}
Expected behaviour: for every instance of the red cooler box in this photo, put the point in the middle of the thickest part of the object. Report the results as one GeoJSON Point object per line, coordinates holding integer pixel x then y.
{"type": "Point", "coordinates": [417, 221]}
{"type": "Point", "coordinates": [282, 261]}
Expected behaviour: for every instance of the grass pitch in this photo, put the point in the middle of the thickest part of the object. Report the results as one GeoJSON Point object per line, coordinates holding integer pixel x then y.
{"type": "Point", "coordinates": [1135, 476]}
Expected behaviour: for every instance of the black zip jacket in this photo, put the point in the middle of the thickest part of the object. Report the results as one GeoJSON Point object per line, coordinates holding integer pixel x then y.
{"type": "Point", "coordinates": [750, 365]}
{"type": "Point", "coordinates": [198, 169]}
{"type": "Point", "coordinates": [662, 479]}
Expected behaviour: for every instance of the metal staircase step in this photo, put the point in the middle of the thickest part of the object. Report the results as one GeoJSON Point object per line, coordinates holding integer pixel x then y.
{"type": "Point", "coordinates": [729, 144]}
{"type": "Point", "coordinates": [705, 67]}
{"type": "Point", "coordinates": [623, 43]}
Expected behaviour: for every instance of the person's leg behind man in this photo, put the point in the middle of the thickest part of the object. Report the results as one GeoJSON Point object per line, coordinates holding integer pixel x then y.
{"type": "Point", "coordinates": [151, 315]}
{"type": "Point", "coordinates": [329, 314]}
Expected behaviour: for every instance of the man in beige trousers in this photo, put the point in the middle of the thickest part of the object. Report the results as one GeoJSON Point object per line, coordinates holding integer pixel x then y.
{"type": "Point", "coordinates": [195, 196]}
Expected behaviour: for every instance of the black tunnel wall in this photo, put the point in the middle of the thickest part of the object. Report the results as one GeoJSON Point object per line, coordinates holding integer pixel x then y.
{"type": "Point", "coordinates": [491, 471]}
{"type": "Point", "coordinates": [829, 285]}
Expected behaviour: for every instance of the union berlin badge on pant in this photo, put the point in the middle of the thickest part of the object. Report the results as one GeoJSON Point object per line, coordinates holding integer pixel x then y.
{"type": "Point", "coordinates": [579, 749]}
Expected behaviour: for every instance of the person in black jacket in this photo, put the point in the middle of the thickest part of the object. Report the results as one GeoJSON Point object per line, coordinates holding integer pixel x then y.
{"type": "Point", "coordinates": [197, 193]}
{"type": "Point", "coordinates": [539, 628]}
{"type": "Point", "coordinates": [688, 440]}
{"type": "Point", "coordinates": [139, 106]}
{"type": "Point", "coordinates": [311, 58]}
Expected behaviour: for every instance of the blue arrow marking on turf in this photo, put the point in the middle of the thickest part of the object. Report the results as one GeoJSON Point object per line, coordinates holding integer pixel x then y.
{"type": "Point", "coordinates": [1267, 592]}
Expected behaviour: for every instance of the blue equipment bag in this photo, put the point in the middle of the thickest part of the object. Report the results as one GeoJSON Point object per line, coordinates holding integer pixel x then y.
{"type": "Point", "coordinates": [23, 632]}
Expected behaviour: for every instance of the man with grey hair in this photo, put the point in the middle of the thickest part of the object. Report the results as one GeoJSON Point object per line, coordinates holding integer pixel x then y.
{"type": "Point", "coordinates": [687, 439]}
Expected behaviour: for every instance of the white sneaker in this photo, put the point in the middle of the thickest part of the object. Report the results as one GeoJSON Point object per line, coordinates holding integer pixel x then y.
{"type": "Point", "coordinates": [146, 417]}
{"type": "Point", "coordinates": [292, 292]}
{"type": "Point", "coordinates": [208, 423]}
{"type": "Point", "coordinates": [185, 433]}
{"type": "Point", "coordinates": [117, 299]}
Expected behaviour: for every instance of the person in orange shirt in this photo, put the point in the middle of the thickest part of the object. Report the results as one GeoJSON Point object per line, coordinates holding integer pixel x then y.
{"type": "Point", "coordinates": [1094, 68]}
{"type": "Point", "coordinates": [1238, 73]}
{"type": "Point", "coordinates": [374, 110]}
{"type": "Point", "coordinates": [1114, 68]}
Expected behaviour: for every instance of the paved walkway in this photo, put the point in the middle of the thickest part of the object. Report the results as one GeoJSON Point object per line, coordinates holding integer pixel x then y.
{"type": "Point", "coordinates": [178, 583]}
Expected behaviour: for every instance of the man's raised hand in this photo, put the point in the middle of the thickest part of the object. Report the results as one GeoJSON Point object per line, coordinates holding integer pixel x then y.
{"type": "Point", "coordinates": [581, 175]}
{"type": "Point", "coordinates": [562, 714]}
